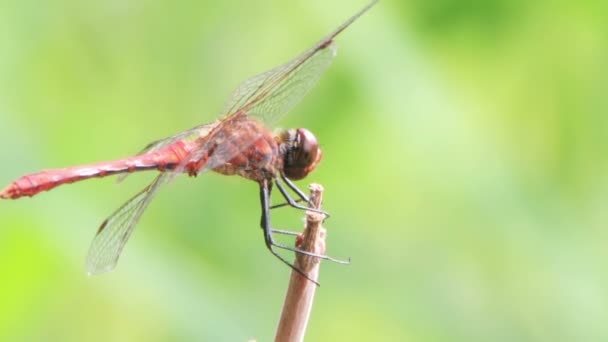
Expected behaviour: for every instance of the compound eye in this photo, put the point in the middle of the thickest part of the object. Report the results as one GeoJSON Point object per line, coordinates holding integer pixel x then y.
{"type": "Point", "coordinates": [308, 147]}
{"type": "Point", "coordinates": [303, 156]}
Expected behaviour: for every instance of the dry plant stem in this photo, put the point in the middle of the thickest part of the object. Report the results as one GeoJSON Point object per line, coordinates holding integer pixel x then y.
{"type": "Point", "coordinates": [301, 291]}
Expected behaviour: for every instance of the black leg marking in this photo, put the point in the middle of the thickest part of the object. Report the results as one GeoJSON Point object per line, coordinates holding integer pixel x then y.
{"type": "Point", "coordinates": [284, 204]}
{"type": "Point", "coordinates": [292, 202]}
{"type": "Point", "coordinates": [265, 199]}
{"type": "Point", "coordinates": [286, 232]}
{"type": "Point", "coordinates": [265, 188]}
{"type": "Point", "coordinates": [295, 189]}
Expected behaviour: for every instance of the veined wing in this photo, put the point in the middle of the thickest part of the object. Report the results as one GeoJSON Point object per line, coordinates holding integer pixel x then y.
{"type": "Point", "coordinates": [193, 132]}
{"type": "Point", "coordinates": [270, 95]}
{"type": "Point", "coordinates": [190, 134]}
{"type": "Point", "coordinates": [116, 229]}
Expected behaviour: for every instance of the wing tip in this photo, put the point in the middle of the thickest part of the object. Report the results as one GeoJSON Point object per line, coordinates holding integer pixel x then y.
{"type": "Point", "coordinates": [352, 19]}
{"type": "Point", "coordinates": [93, 270]}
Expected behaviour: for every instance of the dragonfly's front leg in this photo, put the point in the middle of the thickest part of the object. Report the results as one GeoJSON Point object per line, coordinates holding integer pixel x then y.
{"type": "Point", "coordinates": [297, 190]}
{"type": "Point", "coordinates": [294, 203]}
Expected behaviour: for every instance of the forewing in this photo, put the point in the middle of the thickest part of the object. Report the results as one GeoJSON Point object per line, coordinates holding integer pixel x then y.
{"type": "Point", "coordinates": [270, 95]}
{"type": "Point", "coordinates": [116, 229]}
{"type": "Point", "coordinates": [287, 85]}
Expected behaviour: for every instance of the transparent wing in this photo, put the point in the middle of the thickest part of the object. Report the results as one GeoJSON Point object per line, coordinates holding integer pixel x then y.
{"type": "Point", "coordinates": [287, 85]}
{"type": "Point", "coordinates": [270, 95]}
{"type": "Point", "coordinates": [192, 133]}
{"type": "Point", "coordinates": [116, 229]}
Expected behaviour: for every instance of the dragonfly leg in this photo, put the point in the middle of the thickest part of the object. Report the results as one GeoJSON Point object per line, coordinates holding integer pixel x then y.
{"type": "Point", "coordinates": [284, 204]}
{"type": "Point", "coordinates": [297, 250]}
{"type": "Point", "coordinates": [295, 189]}
{"type": "Point", "coordinates": [285, 232]}
{"type": "Point", "coordinates": [293, 203]}
{"type": "Point", "coordinates": [265, 189]}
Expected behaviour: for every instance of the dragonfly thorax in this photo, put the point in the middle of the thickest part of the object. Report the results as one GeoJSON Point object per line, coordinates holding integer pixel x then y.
{"type": "Point", "coordinates": [301, 152]}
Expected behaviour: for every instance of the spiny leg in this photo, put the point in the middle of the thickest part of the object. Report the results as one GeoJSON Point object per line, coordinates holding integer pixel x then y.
{"type": "Point", "coordinates": [266, 226]}
{"type": "Point", "coordinates": [293, 203]}
{"type": "Point", "coordinates": [265, 223]}
{"type": "Point", "coordinates": [285, 232]}
{"type": "Point", "coordinates": [295, 189]}
{"type": "Point", "coordinates": [282, 231]}
{"type": "Point", "coordinates": [284, 204]}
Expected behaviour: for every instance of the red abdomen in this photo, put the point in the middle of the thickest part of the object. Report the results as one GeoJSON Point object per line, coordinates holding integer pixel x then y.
{"type": "Point", "coordinates": [166, 158]}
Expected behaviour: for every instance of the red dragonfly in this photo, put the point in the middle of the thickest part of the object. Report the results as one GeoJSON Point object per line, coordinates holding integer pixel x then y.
{"type": "Point", "coordinates": [238, 143]}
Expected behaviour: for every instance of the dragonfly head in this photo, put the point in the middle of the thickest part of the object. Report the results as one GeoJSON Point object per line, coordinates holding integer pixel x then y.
{"type": "Point", "coordinates": [302, 153]}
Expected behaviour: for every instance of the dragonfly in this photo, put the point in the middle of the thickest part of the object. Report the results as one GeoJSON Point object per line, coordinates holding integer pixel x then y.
{"type": "Point", "coordinates": [239, 143]}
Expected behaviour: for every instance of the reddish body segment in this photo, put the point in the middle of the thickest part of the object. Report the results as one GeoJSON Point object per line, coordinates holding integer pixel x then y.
{"type": "Point", "coordinates": [162, 160]}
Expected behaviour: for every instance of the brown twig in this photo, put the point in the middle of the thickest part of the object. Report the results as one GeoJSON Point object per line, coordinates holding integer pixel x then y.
{"type": "Point", "coordinates": [301, 291]}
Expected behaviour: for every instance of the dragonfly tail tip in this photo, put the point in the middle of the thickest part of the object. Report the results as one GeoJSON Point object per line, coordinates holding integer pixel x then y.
{"type": "Point", "coordinates": [7, 193]}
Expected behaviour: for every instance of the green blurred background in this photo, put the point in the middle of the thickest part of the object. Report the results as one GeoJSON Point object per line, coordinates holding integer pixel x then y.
{"type": "Point", "coordinates": [465, 166]}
